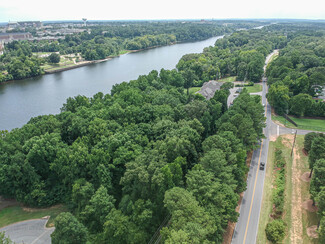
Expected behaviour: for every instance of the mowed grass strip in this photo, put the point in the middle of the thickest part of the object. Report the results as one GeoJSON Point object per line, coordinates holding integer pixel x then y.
{"type": "Point", "coordinates": [254, 89]}
{"type": "Point", "coordinates": [303, 123]}
{"type": "Point", "coordinates": [228, 79]}
{"type": "Point", "coordinates": [192, 90]}
{"type": "Point", "coordinates": [15, 214]}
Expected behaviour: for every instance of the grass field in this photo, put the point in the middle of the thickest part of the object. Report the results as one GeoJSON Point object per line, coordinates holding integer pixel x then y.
{"type": "Point", "coordinates": [304, 124]}
{"type": "Point", "coordinates": [15, 214]}
{"type": "Point", "coordinates": [228, 79]}
{"type": "Point", "coordinates": [254, 89]}
{"type": "Point", "coordinates": [192, 90]}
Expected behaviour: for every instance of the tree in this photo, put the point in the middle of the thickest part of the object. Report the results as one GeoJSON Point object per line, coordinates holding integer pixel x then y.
{"type": "Point", "coordinates": [81, 194]}
{"type": "Point", "coordinates": [119, 229]}
{"type": "Point", "coordinates": [321, 230]}
{"type": "Point", "coordinates": [275, 230]}
{"type": "Point", "coordinates": [54, 58]}
{"type": "Point", "coordinates": [278, 97]}
{"type": "Point", "coordinates": [227, 85]}
{"type": "Point", "coordinates": [4, 239]}
{"type": "Point", "coordinates": [188, 216]}
{"type": "Point", "coordinates": [317, 151]}
{"type": "Point", "coordinates": [99, 206]}
{"type": "Point", "coordinates": [300, 104]}
{"type": "Point", "coordinates": [320, 199]}
{"type": "Point", "coordinates": [318, 179]}
{"type": "Point", "coordinates": [308, 139]}
{"type": "Point", "coordinates": [219, 199]}
{"type": "Point", "coordinates": [68, 230]}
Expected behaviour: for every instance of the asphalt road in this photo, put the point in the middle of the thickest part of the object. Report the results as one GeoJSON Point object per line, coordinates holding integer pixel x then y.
{"type": "Point", "coordinates": [247, 224]}
{"type": "Point", "coordinates": [29, 232]}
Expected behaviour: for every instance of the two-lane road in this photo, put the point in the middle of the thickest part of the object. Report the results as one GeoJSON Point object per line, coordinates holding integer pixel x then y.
{"type": "Point", "coordinates": [247, 225]}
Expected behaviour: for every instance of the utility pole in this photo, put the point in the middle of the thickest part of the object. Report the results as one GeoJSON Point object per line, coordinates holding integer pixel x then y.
{"type": "Point", "coordinates": [294, 141]}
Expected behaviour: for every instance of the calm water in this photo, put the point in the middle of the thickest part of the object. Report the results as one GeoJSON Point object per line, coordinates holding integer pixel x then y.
{"type": "Point", "coordinates": [24, 99]}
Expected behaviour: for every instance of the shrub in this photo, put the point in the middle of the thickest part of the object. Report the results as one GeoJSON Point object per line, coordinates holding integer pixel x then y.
{"type": "Point", "coordinates": [275, 230]}
{"type": "Point", "coordinates": [54, 58]}
{"type": "Point", "coordinates": [68, 230]}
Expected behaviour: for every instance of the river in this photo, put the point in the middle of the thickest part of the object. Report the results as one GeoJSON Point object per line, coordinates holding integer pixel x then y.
{"type": "Point", "coordinates": [24, 99]}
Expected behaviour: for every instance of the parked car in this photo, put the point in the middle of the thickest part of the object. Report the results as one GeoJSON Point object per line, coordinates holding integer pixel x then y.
{"type": "Point", "coordinates": [239, 90]}
{"type": "Point", "coordinates": [262, 166]}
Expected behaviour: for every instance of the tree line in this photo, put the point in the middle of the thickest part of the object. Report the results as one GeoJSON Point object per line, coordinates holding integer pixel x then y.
{"type": "Point", "coordinates": [241, 54]}
{"type": "Point", "coordinates": [102, 41]}
{"type": "Point", "coordinates": [314, 144]}
{"type": "Point", "coordinates": [297, 76]}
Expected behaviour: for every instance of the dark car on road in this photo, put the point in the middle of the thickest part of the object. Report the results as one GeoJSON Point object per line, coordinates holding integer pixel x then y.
{"type": "Point", "coordinates": [262, 165]}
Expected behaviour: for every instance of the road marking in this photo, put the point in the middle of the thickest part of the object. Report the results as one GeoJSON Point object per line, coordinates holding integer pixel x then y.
{"type": "Point", "coordinates": [257, 170]}
{"type": "Point", "coordinates": [277, 130]}
{"type": "Point", "coordinates": [38, 238]}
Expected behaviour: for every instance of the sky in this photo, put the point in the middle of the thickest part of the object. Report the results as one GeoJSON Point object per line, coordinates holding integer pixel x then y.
{"type": "Point", "coordinates": [24, 10]}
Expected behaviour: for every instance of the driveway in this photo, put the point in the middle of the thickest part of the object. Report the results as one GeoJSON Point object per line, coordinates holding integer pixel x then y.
{"type": "Point", "coordinates": [29, 232]}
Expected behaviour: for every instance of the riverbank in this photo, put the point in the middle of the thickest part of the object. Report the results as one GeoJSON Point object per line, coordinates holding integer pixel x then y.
{"type": "Point", "coordinates": [65, 67]}
{"type": "Point", "coordinates": [45, 94]}
{"type": "Point", "coordinates": [84, 63]}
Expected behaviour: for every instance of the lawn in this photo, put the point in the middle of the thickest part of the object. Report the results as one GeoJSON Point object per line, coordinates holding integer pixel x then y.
{"type": "Point", "coordinates": [228, 79]}
{"type": "Point", "coordinates": [303, 123]}
{"type": "Point", "coordinates": [15, 214]}
{"type": "Point", "coordinates": [192, 90]}
{"type": "Point", "coordinates": [254, 89]}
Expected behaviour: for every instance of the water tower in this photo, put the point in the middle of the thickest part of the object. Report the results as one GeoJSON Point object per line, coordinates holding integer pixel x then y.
{"type": "Point", "coordinates": [85, 21]}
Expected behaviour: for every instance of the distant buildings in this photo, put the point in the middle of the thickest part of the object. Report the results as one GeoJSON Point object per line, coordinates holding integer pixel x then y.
{"type": "Point", "coordinates": [209, 89]}
{"type": "Point", "coordinates": [9, 37]}
{"type": "Point", "coordinates": [1, 48]}
{"type": "Point", "coordinates": [12, 25]}
{"type": "Point", "coordinates": [30, 24]}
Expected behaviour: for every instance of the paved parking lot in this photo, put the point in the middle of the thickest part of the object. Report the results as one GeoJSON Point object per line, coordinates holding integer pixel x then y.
{"type": "Point", "coordinates": [29, 232]}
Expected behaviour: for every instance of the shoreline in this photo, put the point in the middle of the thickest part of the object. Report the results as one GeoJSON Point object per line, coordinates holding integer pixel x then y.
{"type": "Point", "coordinates": [85, 63]}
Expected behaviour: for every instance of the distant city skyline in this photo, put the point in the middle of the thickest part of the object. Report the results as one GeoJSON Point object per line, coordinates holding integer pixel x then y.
{"type": "Point", "coordinates": [19, 10]}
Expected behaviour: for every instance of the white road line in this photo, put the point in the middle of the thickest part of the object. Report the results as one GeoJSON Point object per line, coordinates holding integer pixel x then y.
{"type": "Point", "coordinates": [277, 130]}
{"type": "Point", "coordinates": [38, 238]}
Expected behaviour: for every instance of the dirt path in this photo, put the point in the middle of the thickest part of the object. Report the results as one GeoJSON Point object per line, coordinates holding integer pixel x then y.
{"type": "Point", "coordinates": [296, 203]}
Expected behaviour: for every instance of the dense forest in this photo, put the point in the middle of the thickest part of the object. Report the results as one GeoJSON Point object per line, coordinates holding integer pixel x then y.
{"type": "Point", "coordinates": [147, 153]}
{"type": "Point", "coordinates": [125, 161]}
{"type": "Point", "coordinates": [314, 144]}
{"type": "Point", "coordinates": [298, 74]}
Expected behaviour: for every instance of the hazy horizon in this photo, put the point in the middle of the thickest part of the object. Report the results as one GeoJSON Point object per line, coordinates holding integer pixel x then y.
{"type": "Point", "coordinates": [17, 10]}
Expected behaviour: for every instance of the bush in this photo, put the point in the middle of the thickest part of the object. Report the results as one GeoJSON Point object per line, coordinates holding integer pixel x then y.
{"type": "Point", "coordinates": [54, 58]}
{"type": "Point", "coordinates": [275, 230]}
{"type": "Point", "coordinates": [309, 139]}
{"type": "Point", "coordinates": [68, 230]}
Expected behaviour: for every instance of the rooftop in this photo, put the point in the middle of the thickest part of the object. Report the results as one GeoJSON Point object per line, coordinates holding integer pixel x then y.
{"type": "Point", "coordinates": [209, 89]}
